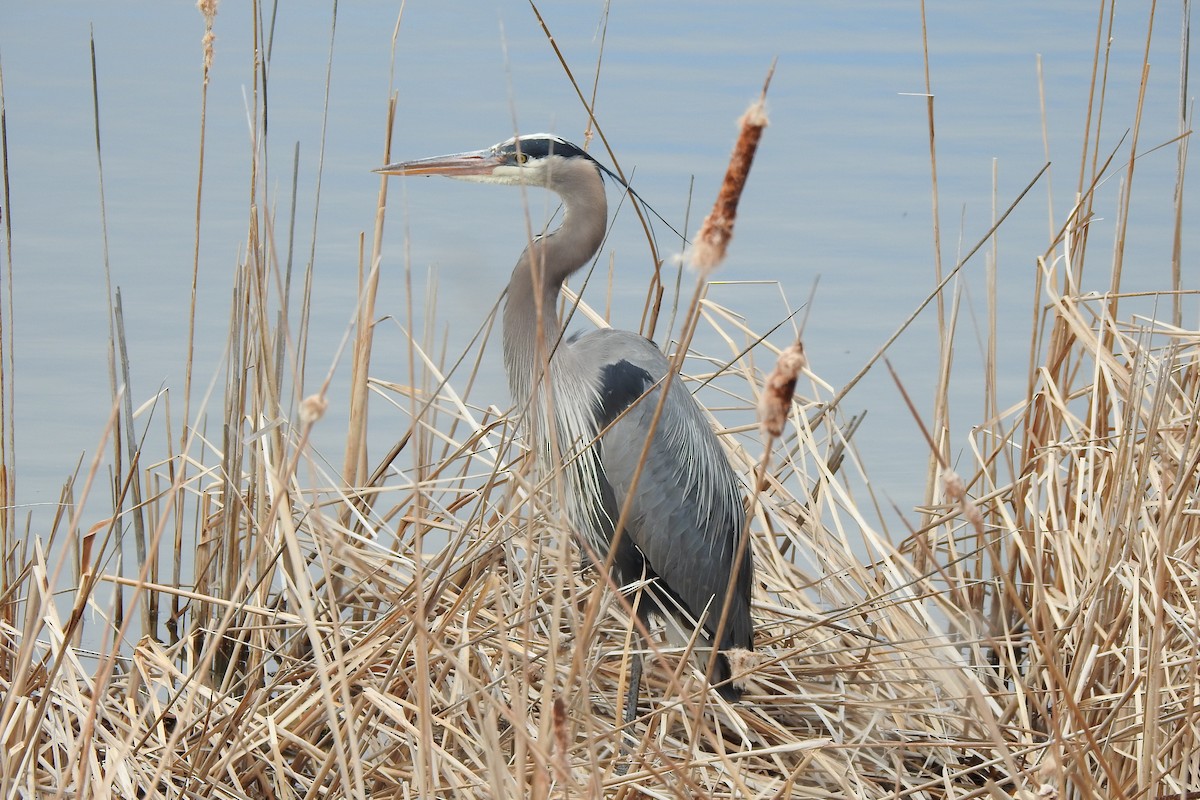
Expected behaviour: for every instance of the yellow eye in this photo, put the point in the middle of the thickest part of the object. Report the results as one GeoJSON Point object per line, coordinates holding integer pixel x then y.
{"type": "Point", "coordinates": [521, 158]}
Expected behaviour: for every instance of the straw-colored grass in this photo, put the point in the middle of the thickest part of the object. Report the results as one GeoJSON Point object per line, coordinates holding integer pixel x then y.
{"type": "Point", "coordinates": [432, 646]}
{"type": "Point", "coordinates": [423, 632]}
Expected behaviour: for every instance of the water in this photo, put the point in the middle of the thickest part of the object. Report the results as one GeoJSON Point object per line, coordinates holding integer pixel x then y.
{"type": "Point", "coordinates": [840, 190]}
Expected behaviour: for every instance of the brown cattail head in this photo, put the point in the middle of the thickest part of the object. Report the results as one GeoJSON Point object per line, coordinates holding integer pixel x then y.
{"type": "Point", "coordinates": [709, 250]}
{"type": "Point", "coordinates": [776, 399]}
{"type": "Point", "coordinates": [561, 738]}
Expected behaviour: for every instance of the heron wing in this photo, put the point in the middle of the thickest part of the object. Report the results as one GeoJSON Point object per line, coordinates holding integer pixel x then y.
{"type": "Point", "coordinates": [686, 514]}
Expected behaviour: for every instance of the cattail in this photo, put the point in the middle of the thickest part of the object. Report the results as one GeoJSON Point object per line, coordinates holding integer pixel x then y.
{"type": "Point", "coordinates": [561, 742]}
{"type": "Point", "coordinates": [709, 250]}
{"type": "Point", "coordinates": [1049, 775]}
{"type": "Point", "coordinates": [312, 408]}
{"type": "Point", "coordinates": [209, 9]}
{"type": "Point", "coordinates": [776, 400]}
{"type": "Point", "coordinates": [741, 663]}
{"type": "Point", "coordinates": [956, 492]}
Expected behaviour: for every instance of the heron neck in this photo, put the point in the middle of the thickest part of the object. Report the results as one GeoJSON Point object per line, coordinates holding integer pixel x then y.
{"type": "Point", "coordinates": [531, 325]}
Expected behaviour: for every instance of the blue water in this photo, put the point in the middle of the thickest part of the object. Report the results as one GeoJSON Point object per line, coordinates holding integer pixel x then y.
{"type": "Point", "coordinates": [840, 190]}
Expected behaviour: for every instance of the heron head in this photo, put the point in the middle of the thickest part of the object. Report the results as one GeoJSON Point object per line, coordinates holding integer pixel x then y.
{"type": "Point", "coordinates": [530, 160]}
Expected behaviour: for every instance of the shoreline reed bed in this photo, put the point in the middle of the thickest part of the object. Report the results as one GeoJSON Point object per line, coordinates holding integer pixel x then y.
{"type": "Point", "coordinates": [1047, 647]}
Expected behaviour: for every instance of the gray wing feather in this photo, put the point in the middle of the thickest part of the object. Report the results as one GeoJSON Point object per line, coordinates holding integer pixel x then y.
{"type": "Point", "coordinates": [686, 515]}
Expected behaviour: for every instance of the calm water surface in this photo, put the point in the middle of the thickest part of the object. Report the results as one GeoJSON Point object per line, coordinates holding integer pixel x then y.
{"type": "Point", "coordinates": [840, 192]}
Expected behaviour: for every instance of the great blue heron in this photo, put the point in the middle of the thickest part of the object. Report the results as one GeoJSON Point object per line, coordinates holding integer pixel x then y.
{"type": "Point", "coordinates": [685, 518]}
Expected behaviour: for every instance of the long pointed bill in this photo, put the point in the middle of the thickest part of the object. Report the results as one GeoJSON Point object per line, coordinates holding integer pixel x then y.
{"type": "Point", "coordinates": [476, 162]}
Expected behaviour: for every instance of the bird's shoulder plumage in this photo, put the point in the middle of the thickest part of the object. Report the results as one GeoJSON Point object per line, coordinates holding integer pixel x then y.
{"type": "Point", "coordinates": [686, 514]}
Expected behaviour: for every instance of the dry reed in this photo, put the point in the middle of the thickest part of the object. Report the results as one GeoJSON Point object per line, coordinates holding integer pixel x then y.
{"type": "Point", "coordinates": [418, 637]}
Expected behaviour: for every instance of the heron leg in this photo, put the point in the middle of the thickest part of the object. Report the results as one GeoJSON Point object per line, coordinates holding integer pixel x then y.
{"type": "Point", "coordinates": [641, 611]}
{"type": "Point", "coordinates": [635, 687]}
{"type": "Point", "coordinates": [629, 741]}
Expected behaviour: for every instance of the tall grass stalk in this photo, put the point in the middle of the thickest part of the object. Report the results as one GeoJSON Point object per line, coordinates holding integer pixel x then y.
{"type": "Point", "coordinates": [9, 551]}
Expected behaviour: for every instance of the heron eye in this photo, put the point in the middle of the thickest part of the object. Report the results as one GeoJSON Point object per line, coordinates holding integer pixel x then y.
{"type": "Point", "coordinates": [521, 158]}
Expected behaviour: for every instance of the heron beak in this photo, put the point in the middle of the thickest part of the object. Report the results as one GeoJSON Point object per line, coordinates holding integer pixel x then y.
{"type": "Point", "coordinates": [476, 162]}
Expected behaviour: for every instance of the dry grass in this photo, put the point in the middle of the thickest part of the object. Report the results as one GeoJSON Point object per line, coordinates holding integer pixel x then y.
{"type": "Point", "coordinates": [423, 632]}
{"type": "Point", "coordinates": [433, 644]}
